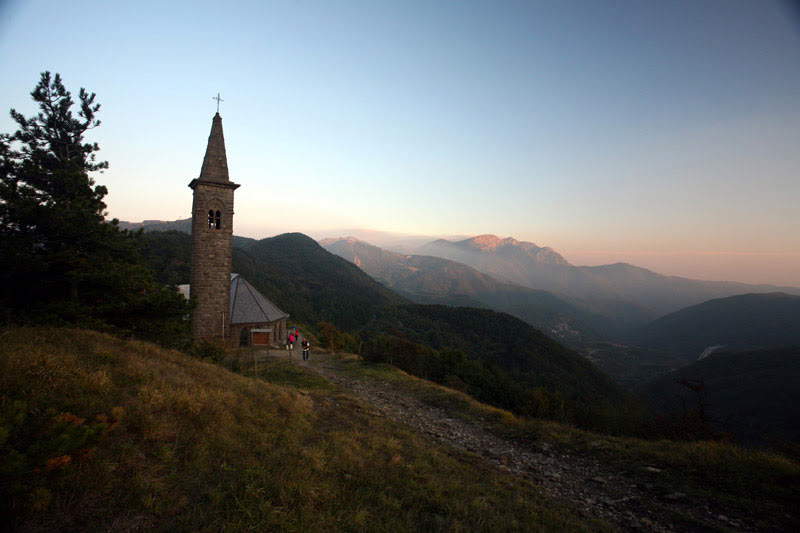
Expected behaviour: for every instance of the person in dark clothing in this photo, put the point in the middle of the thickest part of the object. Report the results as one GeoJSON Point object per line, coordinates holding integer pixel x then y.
{"type": "Point", "coordinates": [306, 347]}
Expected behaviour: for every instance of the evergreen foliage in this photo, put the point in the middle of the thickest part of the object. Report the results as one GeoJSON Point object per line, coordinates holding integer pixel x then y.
{"type": "Point", "coordinates": [753, 395]}
{"type": "Point", "coordinates": [495, 357]}
{"type": "Point", "coordinates": [311, 284]}
{"type": "Point", "coordinates": [169, 256]}
{"type": "Point", "coordinates": [331, 338]}
{"type": "Point", "coordinates": [61, 262]}
{"type": "Point", "coordinates": [745, 321]}
{"type": "Point", "coordinates": [502, 361]}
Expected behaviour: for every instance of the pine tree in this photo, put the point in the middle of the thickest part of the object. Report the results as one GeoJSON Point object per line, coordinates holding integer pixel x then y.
{"type": "Point", "coordinates": [60, 261]}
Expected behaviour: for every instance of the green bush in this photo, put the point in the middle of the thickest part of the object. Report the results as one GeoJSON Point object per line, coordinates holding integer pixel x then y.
{"type": "Point", "coordinates": [334, 340]}
{"type": "Point", "coordinates": [208, 350]}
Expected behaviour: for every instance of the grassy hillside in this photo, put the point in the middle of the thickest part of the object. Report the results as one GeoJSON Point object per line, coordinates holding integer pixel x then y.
{"type": "Point", "coordinates": [754, 395]}
{"type": "Point", "coordinates": [104, 434]}
{"type": "Point", "coordinates": [762, 485]}
{"type": "Point", "coordinates": [743, 321]}
{"type": "Point", "coordinates": [516, 360]}
{"type": "Point", "coordinates": [314, 285]}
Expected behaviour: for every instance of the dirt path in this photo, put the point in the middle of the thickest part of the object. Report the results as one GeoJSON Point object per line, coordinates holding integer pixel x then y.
{"type": "Point", "coordinates": [631, 500]}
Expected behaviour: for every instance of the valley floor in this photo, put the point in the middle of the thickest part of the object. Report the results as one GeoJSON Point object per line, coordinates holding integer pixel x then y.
{"type": "Point", "coordinates": [631, 496]}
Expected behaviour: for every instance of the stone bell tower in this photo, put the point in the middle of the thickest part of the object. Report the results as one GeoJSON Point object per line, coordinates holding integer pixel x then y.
{"type": "Point", "coordinates": [212, 228]}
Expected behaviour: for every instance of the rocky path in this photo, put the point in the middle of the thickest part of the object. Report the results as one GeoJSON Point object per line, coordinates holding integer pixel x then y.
{"type": "Point", "coordinates": [634, 500]}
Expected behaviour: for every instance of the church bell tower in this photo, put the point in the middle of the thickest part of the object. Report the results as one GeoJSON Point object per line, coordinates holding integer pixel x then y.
{"type": "Point", "coordinates": [212, 229]}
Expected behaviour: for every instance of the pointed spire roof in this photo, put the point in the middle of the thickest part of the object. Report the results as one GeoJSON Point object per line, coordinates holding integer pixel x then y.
{"type": "Point", "coordinates": [215, 163]}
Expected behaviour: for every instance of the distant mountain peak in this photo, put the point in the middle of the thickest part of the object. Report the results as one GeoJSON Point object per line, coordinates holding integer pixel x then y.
{"type": "Point", "coordinates": [484, 242]}
{"type": "Point", "coordinates": [488, 245]}
{"type": "Point", "coordinates": [349, 239]}
{"type": "Point", "coordinates": [489, 242]}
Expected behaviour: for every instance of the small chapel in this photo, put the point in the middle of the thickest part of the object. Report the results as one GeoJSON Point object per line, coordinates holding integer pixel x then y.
{"type": "Point", "coordinates": [227, 309]}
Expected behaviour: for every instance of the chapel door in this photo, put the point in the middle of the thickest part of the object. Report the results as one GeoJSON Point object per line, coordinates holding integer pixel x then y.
{"type": "Point", "coordinates": [260, 338]}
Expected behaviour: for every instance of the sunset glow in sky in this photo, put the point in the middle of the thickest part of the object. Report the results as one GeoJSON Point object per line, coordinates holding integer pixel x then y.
{"type": "Point", "coordinates": [664, 134]}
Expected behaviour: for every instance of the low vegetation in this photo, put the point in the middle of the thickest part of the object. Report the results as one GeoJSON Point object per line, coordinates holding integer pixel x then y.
{"type": "Point", "coordinates": [101, 433]}
{"type": "Point", "coordinates": [716, 469]}
{"type": "Point", "coordinates": [753, 395]}
{"type": "Point", "coordinates": [503, 361]}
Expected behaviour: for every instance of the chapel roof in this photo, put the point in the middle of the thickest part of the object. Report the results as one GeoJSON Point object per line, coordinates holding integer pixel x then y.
{"type": "Point", "coordinates": [249, 306]}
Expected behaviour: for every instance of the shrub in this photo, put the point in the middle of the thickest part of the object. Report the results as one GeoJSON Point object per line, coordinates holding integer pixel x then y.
{"type": "Point", "coordinates": [334, 340]}
{"type": "Point", "coordinates": [208, 350]}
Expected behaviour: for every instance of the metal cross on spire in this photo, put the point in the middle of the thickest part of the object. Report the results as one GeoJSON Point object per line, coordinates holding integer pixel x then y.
{"type": "Point", "coordinates": [218, 99]}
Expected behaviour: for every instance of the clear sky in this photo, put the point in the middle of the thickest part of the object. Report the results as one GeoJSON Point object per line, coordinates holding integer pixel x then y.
{"type": "Point", "coordinates": [661, 133]}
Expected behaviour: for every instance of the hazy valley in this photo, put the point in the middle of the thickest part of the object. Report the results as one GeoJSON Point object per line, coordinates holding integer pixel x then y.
{"type": "Point", "coordinates": [636, 356]}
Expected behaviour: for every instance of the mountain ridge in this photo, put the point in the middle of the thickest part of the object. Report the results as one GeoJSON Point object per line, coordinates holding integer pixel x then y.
{"type": "Point", "coordinates": [754, 320]}
{"type": "Point", "coordinates": [628, 292]}
{"type": "Point", "coordinates": [313, 285]}
{"type": "Point", "coordinates": [629, 295]}
{"type": "Point", "coordinates": [433, 280]}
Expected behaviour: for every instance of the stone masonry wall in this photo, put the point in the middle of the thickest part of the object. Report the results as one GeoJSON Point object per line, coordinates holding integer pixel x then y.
{"type": "Point", "coordinates": [211, 262]}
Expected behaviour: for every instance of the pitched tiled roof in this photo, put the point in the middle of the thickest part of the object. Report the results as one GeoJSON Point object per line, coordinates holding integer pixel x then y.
{"type": "Point", "coordinates": [250, 306]}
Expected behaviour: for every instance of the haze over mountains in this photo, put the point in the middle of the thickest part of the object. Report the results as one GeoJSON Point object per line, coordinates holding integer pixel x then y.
{"type": "Point", "coordinates": [508, 356]}
{"type": "Point", "coordinates": [315, 285]}
{"type": "Point", "coordinates": [489, 271]}
{"type": "Point", "coordinates": [183, 225]}
{"type": "Point", "coordinates": [608, 324]}
{"type": "Point", "coordinates": [629, 295]}
{"type": "Point", "coordinates": [426, 279]}
{"type": "Point", "coordinates": [627, 292]}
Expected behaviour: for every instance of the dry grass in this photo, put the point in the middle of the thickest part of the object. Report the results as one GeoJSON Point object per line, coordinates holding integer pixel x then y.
{"type": "Point", "coordinates": [104, 434]}
{"type": "Point", "coordinates": [757, 480]}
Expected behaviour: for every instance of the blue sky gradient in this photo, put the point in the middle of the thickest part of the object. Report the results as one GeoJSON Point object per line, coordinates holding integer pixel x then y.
{"type": "Point", "coordinates": [659, 133]}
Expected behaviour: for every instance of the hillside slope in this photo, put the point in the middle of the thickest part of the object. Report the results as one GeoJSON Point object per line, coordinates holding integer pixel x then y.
{"type": "Point", "coordinates": [103, 434]}
{"type": "Point", "coordinates": [632, 483]}
{"type": "Point", "coordinates": [434, 280]}
{"type": "Point", "coordinates": [742, 321]}
{"type": "Point", "coordinates": [315, 285]}
{"type": "Point", "coordinates": [292, 270]}
{"type": "Point", "coordinates": [755, 395]}
{"type": "Point", "coordinates": [310, 283]}
{"type": "Point", "coordinates": [508, 346]}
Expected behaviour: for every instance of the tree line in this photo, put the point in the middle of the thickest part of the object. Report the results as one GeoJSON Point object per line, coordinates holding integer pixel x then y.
{"type": "Point", "coordinates": [62, 262]}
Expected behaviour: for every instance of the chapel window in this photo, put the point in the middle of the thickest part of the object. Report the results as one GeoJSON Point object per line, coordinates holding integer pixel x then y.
{"type": "Point", "coordinates": [210, 219]}
{"type": "Point", "coordinates": [217, 220]}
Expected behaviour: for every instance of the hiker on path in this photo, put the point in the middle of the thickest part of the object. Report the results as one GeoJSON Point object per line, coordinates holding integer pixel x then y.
{"type": "Point", "coordinates": [291, 344]}
{"type": "Point", "coordinates": [306, 347]}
